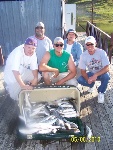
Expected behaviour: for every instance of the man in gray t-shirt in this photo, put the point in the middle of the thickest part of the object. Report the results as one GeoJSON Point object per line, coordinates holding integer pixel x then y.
{"type": "Point", "coordinates": [97, 63]}
{"type": "Point", "coordinates": [44, 43]}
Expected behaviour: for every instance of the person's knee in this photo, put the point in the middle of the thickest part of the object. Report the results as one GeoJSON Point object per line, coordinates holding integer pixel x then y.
{"type": "Point", "coordinates": [72, 82]}
{"type": "Point", "coordinates": [46, 76]}
{"type": "Point", "coordinates": [80, 79]}
{"type": "Point", "coordinates": [106, 77]}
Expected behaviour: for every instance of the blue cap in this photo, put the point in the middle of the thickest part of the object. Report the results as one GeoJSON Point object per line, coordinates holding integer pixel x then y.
{"type": "Point", "coordinates": [72, 31]}
{"type": "Point", "coordinates": [31, 41]}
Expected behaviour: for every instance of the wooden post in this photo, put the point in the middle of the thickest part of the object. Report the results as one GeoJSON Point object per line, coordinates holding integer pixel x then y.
{"type": "Point", "coordinates": [1, 57]}
{"type": "Point", "coordinates": [111, 47]}
{"type": "Point", "coordinates": [92, 12]}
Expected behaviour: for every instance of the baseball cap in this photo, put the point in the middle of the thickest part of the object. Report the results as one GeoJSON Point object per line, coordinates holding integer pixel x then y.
{"type": "Point", "coordinates": [31, 41]}
{"type": "Point", "coordinates": [90, 39]}
{"type": "Point", "coordinates": [39, 24]}
{"type": "Point", "coordinates": [72, 31]}
{"type": "Point", "coordinates": [58, 39]}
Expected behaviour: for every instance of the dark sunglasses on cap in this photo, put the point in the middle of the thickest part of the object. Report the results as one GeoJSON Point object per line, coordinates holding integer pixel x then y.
{"type": "Point", "coordinates": [39, 27]}
{"type": "Point", "coordinates": [90, 44]}
{"type": "Point", "coordinates": [57, 45]}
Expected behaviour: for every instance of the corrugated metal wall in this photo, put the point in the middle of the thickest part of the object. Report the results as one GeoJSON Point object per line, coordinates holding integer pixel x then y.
{"type": "Point", "coordinates": [18, 20]}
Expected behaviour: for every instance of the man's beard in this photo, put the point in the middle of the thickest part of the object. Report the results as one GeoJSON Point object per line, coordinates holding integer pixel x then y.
{"type": "Point", "coordinates": [40, 35]}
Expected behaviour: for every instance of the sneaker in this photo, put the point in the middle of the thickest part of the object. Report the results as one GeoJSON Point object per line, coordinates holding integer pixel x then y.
{"type": "Point", "coordinates": [100, 98]}
{"type": "Point", "coordinates": [90, 90]}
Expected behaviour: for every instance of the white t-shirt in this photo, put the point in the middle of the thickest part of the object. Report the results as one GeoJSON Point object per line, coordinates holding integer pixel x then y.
{"type": "Point", "coordinates": [42, 46]}
{"type": "Point", "coordinates": [94, 62]}
{"type": "Point", "coordinates": [18, 61]}
{"type": "Point", "coordinates": [69, 47]}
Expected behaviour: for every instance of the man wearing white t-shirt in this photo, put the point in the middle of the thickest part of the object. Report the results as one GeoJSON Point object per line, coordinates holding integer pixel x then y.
{"type": "Point", "coordinates": [44, 43]}
{"type": "Point", "coordinates": [21, 68]}
{"type": "Point", "coordinates": [94, 65]}
{"type": "Point", "coordinates": [73, 47]}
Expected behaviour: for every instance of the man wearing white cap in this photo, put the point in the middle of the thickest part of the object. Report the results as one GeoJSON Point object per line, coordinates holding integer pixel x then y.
{"type": "Point", "coordinates": [58, 66]}
{"type": "Point", "coordinates": [44, 43]}
{"type": "Point", "coordinates": [21, 68]}
{"type": "Point", "coordinates": [97, 62]}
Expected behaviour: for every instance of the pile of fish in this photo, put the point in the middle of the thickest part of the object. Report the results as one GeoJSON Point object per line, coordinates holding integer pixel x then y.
{"type": "Point", "coordinates": [48, 117]}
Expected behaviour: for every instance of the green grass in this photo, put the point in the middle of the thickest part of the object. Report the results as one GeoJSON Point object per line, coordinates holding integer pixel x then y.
{"type": "Point", "coordinates": [102, 14]}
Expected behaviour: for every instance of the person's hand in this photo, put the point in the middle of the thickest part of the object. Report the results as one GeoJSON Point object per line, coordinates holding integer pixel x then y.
{"type": "Point", "coordinates": [89, 81]}
{"type": "Point", "coordinates": [34, 82]}
{"type": "Point", "coordinates": [27, 87]}
{"type": "Point", "coordinates": [92, 79]}
{"type": "Point", "coordinates": [56, 73]}
{"type": "Point", "coordinates": [60, 82]}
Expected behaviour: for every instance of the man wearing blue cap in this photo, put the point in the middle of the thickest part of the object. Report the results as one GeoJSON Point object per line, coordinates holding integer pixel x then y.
{"type": "Point", "coordinates": [21, 68]}
{"type": "Point", "coordinates": [73, 47]}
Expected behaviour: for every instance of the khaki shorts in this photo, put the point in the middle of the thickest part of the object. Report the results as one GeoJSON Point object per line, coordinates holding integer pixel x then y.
{"type": "Point", "coordinates": [72, 81]}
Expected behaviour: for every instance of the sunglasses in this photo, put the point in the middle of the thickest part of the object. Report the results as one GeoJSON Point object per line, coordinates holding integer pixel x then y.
{"type": "Point", "coordinates": [89, 44]}
{"type": "Point", "coordinates": [57, 45]}
{"type": "Point", "coordinates": [39, 28]}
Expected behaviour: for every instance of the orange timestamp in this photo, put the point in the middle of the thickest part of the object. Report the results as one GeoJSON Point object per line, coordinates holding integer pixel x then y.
{"type": "Point", "coordinates": [84, 139]}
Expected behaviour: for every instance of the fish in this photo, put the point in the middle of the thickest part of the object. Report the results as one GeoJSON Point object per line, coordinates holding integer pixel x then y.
{"type": "Point", "coordinates": [46, 131]}
{"type": "Point", "coordinates": [27, 99]}
{"type": "Point", "coordinates": [69, 131]}
{"type": "Point", "coordinates": [60, 123]}
{"type": "Point", "coordinates": [36, 111]}
{"type": "Point", "coordinates": [69, 116]}
{"type": "Point", "coordinates": [28, 130]}
{"type": "Point", "coordinates": [50, 120]}
{"type": "Point", "coordinates": [38, 105]}
{"type": "Point", "coordinates": [21, 118]}
{"type": "Point", "coordinates": [56, 113]}
{"type": "Point", "coordinates": [36, 130]}
{"type": "Point", "coordinates": [41, 125]}
{"type": "Point", "coordinates": [67, 110]}
{"type": "Point", "coordinates": [24, 117]}
{"type": "Point", "coordinates": [48, 117]}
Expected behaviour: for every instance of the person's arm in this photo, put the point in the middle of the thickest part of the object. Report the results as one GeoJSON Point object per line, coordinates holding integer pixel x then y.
{"type": "Point", "coordinates": [84, 74]}
{"type": "Point", "coordinates": [45, 68]}
{"type": "Point", "coordinates": [20, 81]}
{"type": "Point", "coordinates": [35, 80]}
{"type": "Point", "coordinates": [72, 72]}
{"type": "Point", "coordinates": [102, 71]}
{"type": "Point", "coordinates": [79, 52]}
{"type": "Point", "coordinates": [82, 66]}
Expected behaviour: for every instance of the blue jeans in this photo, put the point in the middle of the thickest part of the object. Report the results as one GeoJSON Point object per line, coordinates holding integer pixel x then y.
{"type": "Point", "coordinates": [104, 78]}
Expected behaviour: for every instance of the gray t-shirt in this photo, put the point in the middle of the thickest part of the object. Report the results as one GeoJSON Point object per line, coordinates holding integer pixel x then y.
{"type": "Point", "coordinates": [42, 46]}
{"type": "Point", "coordinates": [94, 62]}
